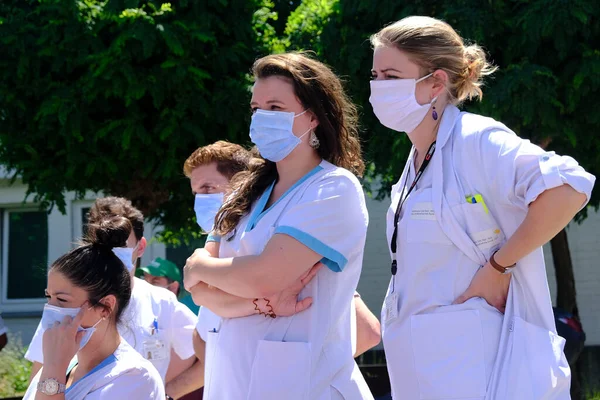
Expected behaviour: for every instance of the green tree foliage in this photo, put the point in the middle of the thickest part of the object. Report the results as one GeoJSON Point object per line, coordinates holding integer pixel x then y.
{"type": "Point", "coordinates": [114, 95]}
{"type": "Point", "coordinates": [14, 369]}
{"type": "Point", "coordinates": [545, 90]}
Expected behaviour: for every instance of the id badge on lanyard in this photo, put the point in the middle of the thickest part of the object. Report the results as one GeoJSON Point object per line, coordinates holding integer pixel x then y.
{"type": "Point", "coordinates": [391, 302]}
{"type": "Point", "coordinates": [154, 347]}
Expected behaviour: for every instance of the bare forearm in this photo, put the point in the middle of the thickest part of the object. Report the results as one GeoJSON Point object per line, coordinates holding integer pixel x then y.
{"type": "Point", "coordinates": [547, 216]}
{"type": "Point", "coordinates": [199, 346]}
{"type": "Point", "coordinates": [261, 275]}
{"type": "Point", "coordinates": [368, 328]}
{"type": "Point", "coordinates": [239, 276]}
{"type": "Point", "coordinates": [222, 303]}
{"type": "Point", "coordinates": [186, 382]}
{"type": "Point", "coordinates": [35, 367]}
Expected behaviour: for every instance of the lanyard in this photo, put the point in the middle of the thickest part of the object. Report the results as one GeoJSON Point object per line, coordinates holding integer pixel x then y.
{"type": "Point", "coordinates": [393, 243]}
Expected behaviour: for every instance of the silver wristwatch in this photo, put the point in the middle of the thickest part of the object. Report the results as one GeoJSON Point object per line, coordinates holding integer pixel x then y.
{"type": "Point", "coordinates": [51, 387]}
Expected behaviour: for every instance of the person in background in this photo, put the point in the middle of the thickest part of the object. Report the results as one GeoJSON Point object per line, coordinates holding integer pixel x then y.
{"type": "Point", "coordinates": [154, 322]}
{"type": "Point", "coordinates": [210, 169]}
{"type": "Point", "coordinates": [468, 313]}
{"type": "Point", "coordinates": [165, 274]}
{"type": "Point", "coordinates": [88, 291]}
{"type": "Point", "coordinates": [3, 334]}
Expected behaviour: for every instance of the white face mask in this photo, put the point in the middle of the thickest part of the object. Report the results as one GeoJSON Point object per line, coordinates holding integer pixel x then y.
{"type": "Point", "coordinates": [52, 314]}
{"type": "Point", "coordinates": [206, 207]}
{"type": "Point", "coordinates": [125, 254]}
{"type": "Point", "coordinates": [271, 132]}
{"type": "Point", "coordinates": [395, 104]}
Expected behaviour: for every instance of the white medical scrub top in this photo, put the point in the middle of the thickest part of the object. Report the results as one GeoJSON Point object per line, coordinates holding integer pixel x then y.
{"type": "Point", "coordinates": [208, 321]}
{"type": "Point", "coordinates": [148, 307]}
{"type": "Point", "coordinates": [308, 355]}
{"type": "Point", "coordinates": [123, 375]}
{"type": "Point", "coordinates": [436, 350]}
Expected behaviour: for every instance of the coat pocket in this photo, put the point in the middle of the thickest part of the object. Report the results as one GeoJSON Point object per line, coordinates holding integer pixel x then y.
{"type": "Point", "coordinates": [449, 355]}
{"type": "Point", "coordinates": [481, 226]}
{"type": "Point", "coordinates": [281, 370]}
{"type": "Point", "coordinates": [535, 365]}
{"type": "Point", "coordinates": [423, 225]}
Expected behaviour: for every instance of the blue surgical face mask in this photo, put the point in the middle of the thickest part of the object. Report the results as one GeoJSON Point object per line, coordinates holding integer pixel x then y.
{"type": "Point", "coordinates": [52, 314]}
{"type": "Point", "coordinates": [125, 254]}
{"type": "Point", "coordinates": [271, 132]}
{"type": "Point", "coordinates": [206, 207]}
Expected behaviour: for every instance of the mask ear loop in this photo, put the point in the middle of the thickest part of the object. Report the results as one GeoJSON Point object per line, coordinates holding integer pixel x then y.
{"type": "Point", "coordinates": [304, 134]}
{"type": "Point", "coordinates": [423, 78]}
{"type": "Point", "coordinates": [303, 112]}
{"type": "Point", "coordinates": [100, 320]}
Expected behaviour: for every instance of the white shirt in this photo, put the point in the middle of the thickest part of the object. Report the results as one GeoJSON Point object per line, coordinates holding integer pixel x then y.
{"type": "Point", "coordinates": [175, 327]}
{"type": "Point", "coordinates": [308, 355]}
{"type": "Point", "coordinates": [469, 351]}
{"type": "Point", "coordinates": [123, 375]}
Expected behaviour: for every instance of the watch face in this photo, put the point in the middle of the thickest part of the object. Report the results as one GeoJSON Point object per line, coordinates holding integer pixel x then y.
{"type": "Point", "coordinates": [51, 386]}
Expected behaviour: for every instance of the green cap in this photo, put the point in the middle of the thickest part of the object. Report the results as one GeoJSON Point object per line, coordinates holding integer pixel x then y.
{"type": "Point", "coordinates": [161, 267]}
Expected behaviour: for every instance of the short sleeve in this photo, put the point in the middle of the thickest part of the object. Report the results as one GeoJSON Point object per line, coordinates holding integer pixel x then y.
{"type": "Point", "coordinates": [35, 351]}
{"type": "Point", "coordinates": [182, 326]}
{"type": "Point", "coordinates": [331, 219]}
{"type": "Point", "coordinates": [212, 237]}
{"type": "Point", "coordinates": [3, 328]}
{"type": "Point", "coordinates": [520, 171]}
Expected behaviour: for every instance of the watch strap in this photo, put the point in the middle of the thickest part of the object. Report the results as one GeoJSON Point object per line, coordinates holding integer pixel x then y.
{"type": "Point", "coordinates": [41, 386]}
{"type": "Point", "coordinates": [498, 267]}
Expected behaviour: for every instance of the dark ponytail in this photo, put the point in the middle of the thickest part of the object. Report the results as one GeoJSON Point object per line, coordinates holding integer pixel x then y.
{"type": "Point", "coordinates": [95, 268]}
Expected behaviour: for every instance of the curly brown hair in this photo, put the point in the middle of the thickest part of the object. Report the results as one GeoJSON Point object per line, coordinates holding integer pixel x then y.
{"type": "Point", "coordinates": [321, 91]}
{"type": "Point", "coordinates": [231, 158]}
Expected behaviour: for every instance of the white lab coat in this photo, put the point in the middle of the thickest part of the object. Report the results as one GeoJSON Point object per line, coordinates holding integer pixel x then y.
{"type": "Point", "coordinates": [176, 323]}
{"type": "Point", "coordinates": [308, 355]}
{"type": "Point", "coordinates": [435, 350]}
{"type": "Point", "coordinates": [125, 374]}
{"type": "Point", "coordinates": [208, 321]}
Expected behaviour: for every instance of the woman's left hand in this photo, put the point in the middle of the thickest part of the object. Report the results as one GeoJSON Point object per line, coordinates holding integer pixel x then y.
{"type": "Point", "coordinates": [60, 342]}
{"type": "Point", "coordinates": [490, 285]}
{"type": "Point", "coordinates": [195, 261]}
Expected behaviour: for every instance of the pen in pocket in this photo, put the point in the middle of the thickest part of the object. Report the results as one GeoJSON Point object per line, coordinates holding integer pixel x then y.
{"type": "Point", "coordinates": [478, 199]}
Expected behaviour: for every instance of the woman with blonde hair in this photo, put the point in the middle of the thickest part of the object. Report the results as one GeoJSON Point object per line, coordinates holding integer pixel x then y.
{"type": "Point", "coordinates": [467, 314]}
{"type": "Point", "coordinates": [297, 205]}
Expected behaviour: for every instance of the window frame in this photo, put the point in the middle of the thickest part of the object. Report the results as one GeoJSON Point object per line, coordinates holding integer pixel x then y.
{"type": "Point", "coordinates": [14, 305]}
{"type": "Point", "coordinates": [77, 219]}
